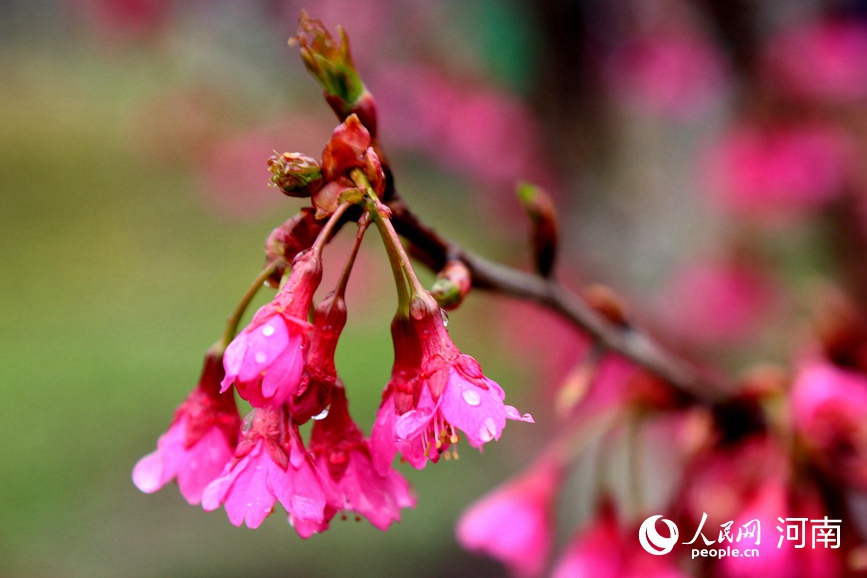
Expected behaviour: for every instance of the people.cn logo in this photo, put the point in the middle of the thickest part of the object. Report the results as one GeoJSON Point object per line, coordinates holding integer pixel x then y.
{"type": "Point", "coordinates": [650, 539]}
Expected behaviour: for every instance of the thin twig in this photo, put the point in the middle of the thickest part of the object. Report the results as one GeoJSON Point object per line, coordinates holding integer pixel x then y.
{"type": "Point", "coordinates": [629, 341]}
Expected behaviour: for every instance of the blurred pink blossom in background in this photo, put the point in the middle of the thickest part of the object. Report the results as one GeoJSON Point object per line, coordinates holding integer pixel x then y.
{"type": "Point", "coordinates": [602, 549]}
{"type": "Point", "coordinates": [821, 60]}
{"type": "Point", "coordinates": [717, 303]}
{"type": "Point", "coordinates": [514, 523]}
{"type": "Point", "coordinates": [676, 76]}
{"type": "Point", "coordinates": [483, 133]}
{"type": "Point", "coordinates": [829, 409]}
{"type": "Point", "coordinates": [777, 172]}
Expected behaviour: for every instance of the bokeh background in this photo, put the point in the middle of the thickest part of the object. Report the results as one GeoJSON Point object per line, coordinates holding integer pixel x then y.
{"type": "Point", "coordinates": [673, 136]}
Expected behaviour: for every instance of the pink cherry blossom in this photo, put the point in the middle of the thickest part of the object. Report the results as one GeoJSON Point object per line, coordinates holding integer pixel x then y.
{"type": "Point", "coordinates": [774, 500]}
{"type": "Point", "coordinates": [723, 480]}
{"type": "Point", "coordinates": [513, 524]}
{"type": "Point", "coordinates": [819, 61]}
{"type": "Point", "coordinates": [718, 303]}
{"type": "Point", "coordinates": [270, 464]}
{"type": "Point", "coordinates": [434, 391]}
{"type": "Point", "coordinates": [341, 451]}
{"type": "Point", "coordinates": [200, 441]}
{"type": "Point", "coordinates": [266, 359]}
{"type": "Point", "coordinates": [603, 550]}
{"type": "Point", "coordinates": [676, 76]}
{"type": "Point", "coordinates": [778, 171]}
{"type": "Point", "coordinates": [829, 410]}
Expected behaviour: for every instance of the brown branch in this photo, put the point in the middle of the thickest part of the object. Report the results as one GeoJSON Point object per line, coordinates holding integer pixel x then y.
{"type": "Point", "coordinates": [629, 341]}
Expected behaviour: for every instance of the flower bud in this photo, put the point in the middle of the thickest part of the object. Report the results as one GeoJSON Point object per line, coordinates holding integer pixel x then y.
{"type": "Point", "coordinates": [543, 217]}
{"type": "Point", "coordinates": [295, 174]}
{"type": "Point", "coordinates": [328, 59]}
{"type": "Point", "coordinates": [346, 148]}
{"type": "Point", "coordinates": [288, 240]}
{"type": "Point", "coordinates": [607, 303]}
{"type": "Point", "coordinates": [452, 284]}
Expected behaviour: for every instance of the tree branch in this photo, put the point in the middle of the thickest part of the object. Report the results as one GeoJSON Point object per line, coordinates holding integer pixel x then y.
{"type": "Point", "coordinates": [631, 342]}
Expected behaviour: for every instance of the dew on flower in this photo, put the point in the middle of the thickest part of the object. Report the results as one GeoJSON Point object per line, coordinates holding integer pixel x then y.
{"type": "Point", "coordinates": [471, 397]}
{"type": "Point", "coordinates": [268, 330]}
{"type": "Point", "coordinates": [321, 415]}
{"type": "Point", "coordinates": [488, 429]}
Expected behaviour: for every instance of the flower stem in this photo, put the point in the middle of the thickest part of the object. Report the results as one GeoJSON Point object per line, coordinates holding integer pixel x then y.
{"type": "Point", "coordinates": [235, 318]}
{"type": "Point", "coordinates": [363, 222]}
{"type": "Point", "coordinates": [382, 217]}
{"type": "Point", "coordinates": [326, 231]}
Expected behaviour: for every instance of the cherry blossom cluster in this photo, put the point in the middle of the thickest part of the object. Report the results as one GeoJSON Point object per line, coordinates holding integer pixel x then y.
{"type": "Point", "coordinates": [780, 443]}
{"type": "Point", "coordinates": [282, 363]}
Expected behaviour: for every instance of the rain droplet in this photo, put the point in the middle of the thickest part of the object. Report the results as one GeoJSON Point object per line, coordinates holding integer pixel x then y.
{"type": "Point", "coordinates": [512, 413]}
{"type": "Point", "coordinates": [445, 317]}
{"type": "Point", "coordinates": [488, 429]}
{"type": "Point", "coordinates": [268, 330]}
{"type": "Point", "coordinates": [418, 308]}
{"type": "Point", "coordinates": [327, 332]}
{"type": "Point", "coordinates": [260, 357]}
{"type": "Point", "coordinates": [321, 415]}
{"type": "Point", "coordinates": [471, 397]}
{"type": "Point", "coordinates": [248, 421]}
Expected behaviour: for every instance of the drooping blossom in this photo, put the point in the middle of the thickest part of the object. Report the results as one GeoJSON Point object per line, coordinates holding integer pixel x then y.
{"type": "Point", "coordinates": [819, 60]}
{"type": "Point", "coordinates": [313, 392]}
{"type": "Point", "coordinates": [266, 359]}
{"type": "Point", "coordinates": [603, 549]}
{"type": "Point", "coordinates": [200, 441]}
{"type": "Point", "coordinates": [343, 455]}
{"type": "Point", "coordinates": [514, 523]}
{"type": "Point", "coordinates": [270, 464]}
{"type": "Point", "coordinates": [778, 171]}
{"type": "Point", "coordinates": [829, 411]}
{"type": "Point", "coordinates": [434, 391]}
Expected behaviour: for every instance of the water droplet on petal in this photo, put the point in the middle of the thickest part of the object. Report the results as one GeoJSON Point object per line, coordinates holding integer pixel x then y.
{"type": "Point", "coordinates": [512, 413]}
{"type": "Point", "coordinates": [249, 504]}
{"type": "Point", "coordinates": [445, 317]}
{"type": "Point", "coordinates": [321, 415]}
{"type": "Point", "coordinates": [488, 429]}
{"type": "Point", "coordinates": [471, 397]}
{"type": "Point", "coordinates": [268, 330]}
{"type": "Point", "coordinates": [260, 357]}
{"type": "Point", "coordinates": [248, 421]}
{"type": "Point", "coordinates": [327, 332]}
